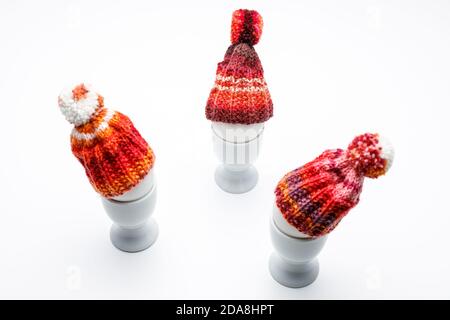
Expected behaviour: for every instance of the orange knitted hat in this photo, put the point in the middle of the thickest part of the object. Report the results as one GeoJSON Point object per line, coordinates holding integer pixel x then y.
{"type": "Point", "coordinates": [113, 153]}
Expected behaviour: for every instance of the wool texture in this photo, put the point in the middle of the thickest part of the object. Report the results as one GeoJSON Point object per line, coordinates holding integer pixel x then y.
{"type": "Point", "coordinates": [113, 153]}
{"type": "Point", "coordinates": [315, 197]}
{"type": "Point", "coordinates": [240, 94]}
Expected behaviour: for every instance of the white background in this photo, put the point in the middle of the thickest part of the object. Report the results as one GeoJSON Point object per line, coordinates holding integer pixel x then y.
{"type": "Point", "coordinates": [335, 69]}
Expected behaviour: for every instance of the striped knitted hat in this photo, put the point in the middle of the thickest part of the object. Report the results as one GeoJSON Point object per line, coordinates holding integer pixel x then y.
{"type": "Point", "coordinates": [113, 153]}
{"type": "Point", "coordinates": [240, 93]}
{"type": "Point", "coordinates": [315, 197]}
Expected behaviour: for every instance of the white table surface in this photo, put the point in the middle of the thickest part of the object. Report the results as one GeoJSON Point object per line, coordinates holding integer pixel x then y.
{"type": "Point", "coordinates": [334, 69]}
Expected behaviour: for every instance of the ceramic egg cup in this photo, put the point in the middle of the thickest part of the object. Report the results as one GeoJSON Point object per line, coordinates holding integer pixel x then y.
{"type": "Point", "coordinates": [134, 229]}
{"type": "Point", "coordinates": [294, 263]}
{"type": "Point", "coordinates": [237, 147]}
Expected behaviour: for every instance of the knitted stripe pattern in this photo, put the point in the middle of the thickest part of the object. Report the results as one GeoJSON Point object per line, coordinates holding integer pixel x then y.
{"type": "Point", "coordinates": [240, 94]}
{"type": "Point", "coordinates": [315, 197]}
{"type": "Point", "coordinates": [113, 153]}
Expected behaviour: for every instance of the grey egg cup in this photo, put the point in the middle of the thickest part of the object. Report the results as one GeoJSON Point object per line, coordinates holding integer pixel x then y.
{"type": "Point", "coordinates": [237, 148]}
{"type": "Point", "coordinates": [294, 263]}
{"type": "Point", "coordinates": [133, 229]}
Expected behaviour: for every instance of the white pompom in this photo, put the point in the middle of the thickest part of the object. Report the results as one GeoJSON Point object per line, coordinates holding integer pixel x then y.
{"type": "Point", "coordinates": [387, 151]}
{"type": "Point", "coordinates": [80, 111]}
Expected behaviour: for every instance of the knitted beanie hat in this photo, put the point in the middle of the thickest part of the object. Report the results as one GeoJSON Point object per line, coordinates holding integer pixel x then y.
{"type": "Point", "coordinates": [240, 93]}
{"type": "Point", "coordinates": [113, 153]}
{"type": "Point", "coordinates": [315, 197]}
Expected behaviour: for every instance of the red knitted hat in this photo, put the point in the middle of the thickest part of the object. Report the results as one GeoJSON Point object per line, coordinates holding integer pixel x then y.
{"type": "Point", "coordinates": [113, 153]}
{"type": "Point", "coordinates": [315, 197]}
{"type": "Point", "coordinates": [240, 93]}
